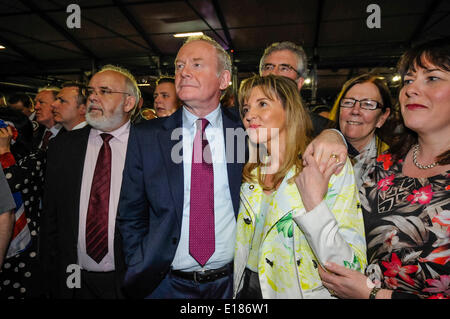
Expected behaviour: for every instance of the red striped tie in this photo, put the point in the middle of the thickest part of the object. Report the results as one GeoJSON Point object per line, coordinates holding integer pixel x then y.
{"type": "Point", "coordinates": [97, 215]}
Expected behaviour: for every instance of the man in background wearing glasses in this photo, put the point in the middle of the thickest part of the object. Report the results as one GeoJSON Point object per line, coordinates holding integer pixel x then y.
{"type": "Point", "coordinates": [289, 60]}
{"type": "Point", "coordinates": [84, 175]}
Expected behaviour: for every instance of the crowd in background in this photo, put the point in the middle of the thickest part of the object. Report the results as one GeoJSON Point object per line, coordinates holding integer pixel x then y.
{"type": "Point", "coordinates": [350, 200]}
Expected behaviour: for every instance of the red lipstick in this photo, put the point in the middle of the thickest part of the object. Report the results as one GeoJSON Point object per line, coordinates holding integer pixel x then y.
{"type": "Point", "coordinates": [415, 106]}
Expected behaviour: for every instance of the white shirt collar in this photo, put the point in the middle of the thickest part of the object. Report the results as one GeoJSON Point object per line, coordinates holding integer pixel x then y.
{"type": "Point", "coordinates": [121, 133]}
{"type": "Point", "coordinates": [214, 118]}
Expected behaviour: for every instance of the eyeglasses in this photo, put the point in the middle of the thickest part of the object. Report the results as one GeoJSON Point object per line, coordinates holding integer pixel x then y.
{"type": "Point", "coordinates": [282, 68]}
{"type": "Point", "coordinates": [366, 104]}
{"type": "Point", "coordinates": [103, 91]}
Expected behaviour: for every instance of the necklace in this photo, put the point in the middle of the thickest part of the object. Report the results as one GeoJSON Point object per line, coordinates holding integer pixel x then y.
{"type": "Point", "coordinates": [415, 151]}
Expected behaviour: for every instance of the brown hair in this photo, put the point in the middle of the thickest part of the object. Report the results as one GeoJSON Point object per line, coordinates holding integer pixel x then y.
{"type": "Point", "coordinates": [385, 132]}
{"type": "Point", "coordinates": [437, 53]}
{"type": "Point", "coordinates": [298, 125]}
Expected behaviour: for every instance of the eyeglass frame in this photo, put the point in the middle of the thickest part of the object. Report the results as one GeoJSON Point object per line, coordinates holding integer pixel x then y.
{"type": "Point", "coordinates": [91, 90]}
{"type": "Point", "coordinates": [377, 106]}
{"type": "Point", "coordinates": [289, 67]}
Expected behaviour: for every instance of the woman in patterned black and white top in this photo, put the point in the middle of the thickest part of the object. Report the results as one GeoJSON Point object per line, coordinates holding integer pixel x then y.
{"type": "Point", "coordinates": [19, 276]}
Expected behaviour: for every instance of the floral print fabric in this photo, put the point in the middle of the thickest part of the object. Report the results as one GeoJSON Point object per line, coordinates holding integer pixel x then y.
{"type": "Point", "coordinates": [407, 224]}
{"type": "Point", "coordinates": [294, 242]}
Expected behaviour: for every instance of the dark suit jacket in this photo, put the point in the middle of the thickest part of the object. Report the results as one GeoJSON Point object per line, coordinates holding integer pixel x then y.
{"type": "Point", "coordinates": [60, 217]}
{"type": "Point", "coordinates": [319, 123]}
{"type": "Point", "coordinates": [151, 201]}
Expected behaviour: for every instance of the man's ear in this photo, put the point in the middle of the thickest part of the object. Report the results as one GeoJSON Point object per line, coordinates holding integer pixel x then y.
{"type": "Point", "coordinates": [224, 79]}
{"type": "Point", "coordinates": [300, 82]}
{"type": "Point", "coordinates": [82, 109]}
{"type": "Point", "coordinates": [129, 104]}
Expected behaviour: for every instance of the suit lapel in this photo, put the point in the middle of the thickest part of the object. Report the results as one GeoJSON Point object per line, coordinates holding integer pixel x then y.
{"type": "Point", "coordinates": [175, 172]}
{"type": "Point", "coordinates": [234, 163]}
{"type": "Point", "coordinates": [78, 147]}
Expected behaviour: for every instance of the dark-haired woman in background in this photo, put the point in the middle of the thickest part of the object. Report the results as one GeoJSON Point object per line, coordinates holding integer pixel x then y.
{"type": "Point", "coordinates": [23, 170]}
{"type": "Point", "coordinates": [406, 204]}
{"type": "Point", "coordinates": [360, 112]}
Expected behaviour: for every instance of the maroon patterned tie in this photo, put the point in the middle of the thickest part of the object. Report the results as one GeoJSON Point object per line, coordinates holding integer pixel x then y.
{"type": "Point", "coordinates": [46, 139]}
{"type": "Point", "coordinates": [201, 220]}
{"type": "Point", "coordinates": [97, 215]}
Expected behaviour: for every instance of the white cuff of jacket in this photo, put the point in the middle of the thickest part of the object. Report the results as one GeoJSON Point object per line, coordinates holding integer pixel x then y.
{"type": "Point", "coordinates": [322, 232]}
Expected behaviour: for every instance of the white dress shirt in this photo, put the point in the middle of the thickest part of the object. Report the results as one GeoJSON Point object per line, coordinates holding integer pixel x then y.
{"type": "Point", "coordinates": [118, 146]}
{"type": "Point", "coordinates": [54, 130]}
{"type": "Point", "coordinates": [79, 125]}
{"type": "Point", "coordinates": [224, 220]}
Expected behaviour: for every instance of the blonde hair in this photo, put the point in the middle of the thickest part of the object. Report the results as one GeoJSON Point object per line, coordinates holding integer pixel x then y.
{"type": "Point", "coordinates": [298, 126]}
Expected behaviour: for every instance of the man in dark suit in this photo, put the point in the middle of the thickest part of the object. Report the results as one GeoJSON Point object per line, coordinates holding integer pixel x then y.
{"type": "Point", "coordinates": [82, 187]}
{"type": "Point", "coordinates": [48, 128]}
{"type": "Point", "coordinates": [162, 191]}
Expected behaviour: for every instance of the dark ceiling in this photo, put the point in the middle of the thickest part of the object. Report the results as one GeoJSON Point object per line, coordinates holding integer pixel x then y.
{"type": "Point", "coordinates": [42, 50]}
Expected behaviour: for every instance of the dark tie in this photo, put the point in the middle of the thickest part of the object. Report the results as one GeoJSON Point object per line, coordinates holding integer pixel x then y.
{"type": "Point", "coordinates": [46, 139]}
{"type": "Point", "coordinates": [201, 220]}
{"type": "Point", "coordinates": [97, 215]}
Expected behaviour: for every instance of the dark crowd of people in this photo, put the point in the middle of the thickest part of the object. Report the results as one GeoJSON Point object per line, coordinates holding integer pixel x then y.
{"type": "Point", "coordinates": [208, 195]}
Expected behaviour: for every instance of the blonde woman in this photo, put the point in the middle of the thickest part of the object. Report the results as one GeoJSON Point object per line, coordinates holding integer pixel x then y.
{"type": "Point", "coordinates": [292, 218]}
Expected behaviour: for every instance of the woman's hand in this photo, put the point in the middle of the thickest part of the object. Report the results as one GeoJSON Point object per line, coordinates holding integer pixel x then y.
{"type": "Point", "coordinates": [312, 184]}
{"type": "Point", "coordinates": [6, 135]}
{"type": "Point", "coordinates": [328, 143]}
{"type": "Point", "coordinates": [345, 283]}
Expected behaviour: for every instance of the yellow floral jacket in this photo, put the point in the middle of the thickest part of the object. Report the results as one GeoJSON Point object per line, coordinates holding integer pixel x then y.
{"type": "Point", "coordinates": [332, 231]}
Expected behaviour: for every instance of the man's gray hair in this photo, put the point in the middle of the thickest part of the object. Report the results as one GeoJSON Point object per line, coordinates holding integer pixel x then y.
{"type": "Point", "coordinates": [302, 64]}
{"type": "Point", "coordinates": [223, 56]}
{"type": "Point", "coordinates": [55, 90]}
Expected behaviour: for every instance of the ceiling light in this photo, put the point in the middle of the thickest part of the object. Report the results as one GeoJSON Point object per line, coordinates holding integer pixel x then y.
{"type": "Point", "coordinates": [2, 47]}
{"type": "Point", "coordinates": [307, 81]}
{"type": "Point", "coordinates": [396, 78]}
{"type": "Point", "coordinates": [144, 84]}
{"type": "Point", "coordinates": [188, 34]}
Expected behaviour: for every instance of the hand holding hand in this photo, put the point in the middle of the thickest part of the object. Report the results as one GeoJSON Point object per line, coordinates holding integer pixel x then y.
{"type": "Point", "coordinates": [312, 183]}
{"type": "Point", "coordinates": [328, 143]}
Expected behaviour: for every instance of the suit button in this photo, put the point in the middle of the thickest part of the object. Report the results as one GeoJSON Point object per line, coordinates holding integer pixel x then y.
{"type": "Point", "coordinates": [247, 221]}
{"type": "Point", "coordinates": [314, 263]}
{"type": "Point", "coordinates": [251, 187]}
